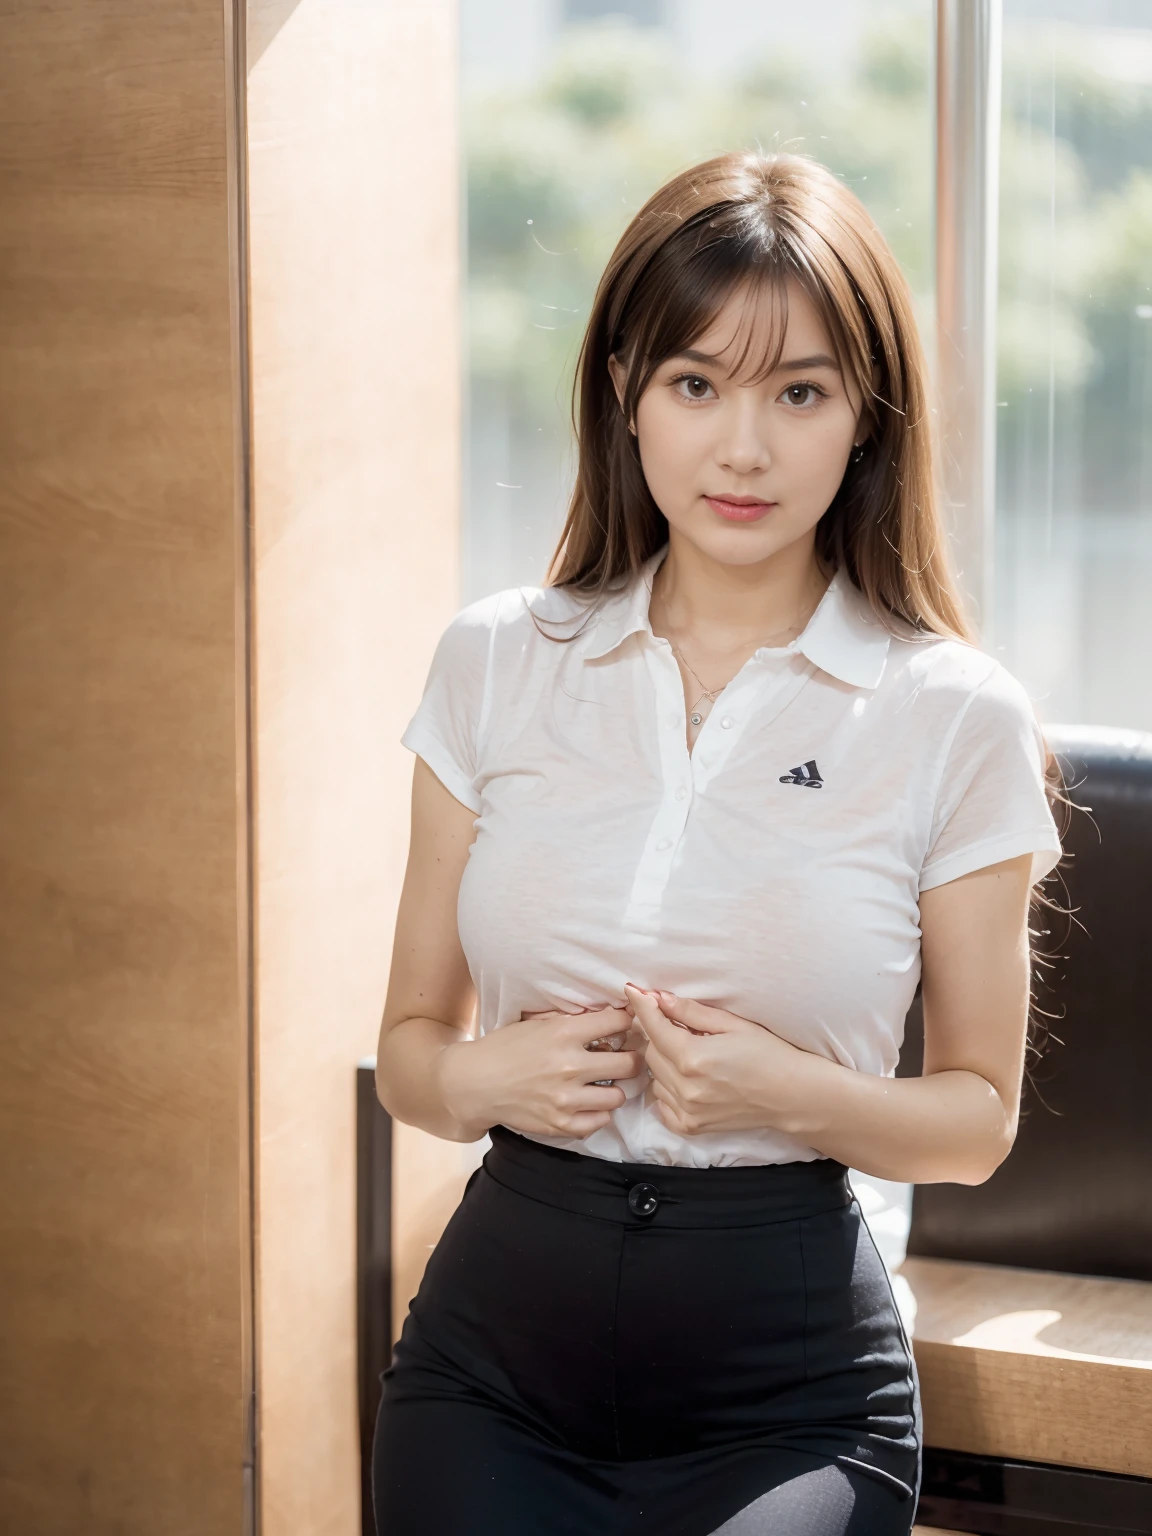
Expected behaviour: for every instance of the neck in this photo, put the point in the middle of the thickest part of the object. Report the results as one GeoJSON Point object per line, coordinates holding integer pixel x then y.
{"type": "Point", "coordinates": [731, 607]}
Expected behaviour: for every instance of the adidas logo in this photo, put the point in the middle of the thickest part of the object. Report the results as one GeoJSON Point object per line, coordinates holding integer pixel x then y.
{"type": "Point", "coordinates": [808, 775]}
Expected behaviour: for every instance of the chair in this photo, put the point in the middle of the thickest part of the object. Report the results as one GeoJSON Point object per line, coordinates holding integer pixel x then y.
{"type": "Point", "coordinates": [1033, 1333]}
{"type": "Point", "coordinates": [373, 1266]}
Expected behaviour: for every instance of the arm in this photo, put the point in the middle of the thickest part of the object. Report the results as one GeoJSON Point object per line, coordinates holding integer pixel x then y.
{"type": "Point", "coordinates": [534, 1074]}
{"type": "Point", "coordinates": [956, 1123]}
{"type": "Point", "coordinates": [431, 999]}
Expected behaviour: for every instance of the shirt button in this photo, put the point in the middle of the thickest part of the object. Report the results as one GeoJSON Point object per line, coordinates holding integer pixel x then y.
{"type": "Point", "coordinates": [726, 723]}
{"type": "Point", "coordinates": [665, 842]}
{"type": "Point", "coordinates": [681, 792]}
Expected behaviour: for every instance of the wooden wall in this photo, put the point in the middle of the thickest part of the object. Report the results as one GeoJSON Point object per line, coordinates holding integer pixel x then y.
{"type": "Point", "coordinates": [229, 271]}
{"type": "Point", "coordinates": [355, 369]}
{"type": "Point", "coordinates": [123, 1020]}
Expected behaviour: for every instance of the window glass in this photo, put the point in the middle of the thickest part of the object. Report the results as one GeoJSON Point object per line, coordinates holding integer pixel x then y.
{"type": "Point", "coordinates": [573, 113]}
{"type": "Point", "coordinates": [1074, 403]}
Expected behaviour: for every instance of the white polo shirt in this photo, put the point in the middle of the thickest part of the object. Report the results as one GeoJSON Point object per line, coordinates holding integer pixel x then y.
{"type": "Point", "coordinates": [774, 871]}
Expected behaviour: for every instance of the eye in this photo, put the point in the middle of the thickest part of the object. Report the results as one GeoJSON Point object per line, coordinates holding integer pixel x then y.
{"type": "Point", "coordinates": [695, 386]}
{"type": "Point", "coordinates": [803, 395]}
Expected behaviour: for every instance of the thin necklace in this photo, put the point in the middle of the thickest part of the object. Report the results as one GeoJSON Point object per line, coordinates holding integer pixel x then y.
{"type": "Point", "coordinates": [712, 694]}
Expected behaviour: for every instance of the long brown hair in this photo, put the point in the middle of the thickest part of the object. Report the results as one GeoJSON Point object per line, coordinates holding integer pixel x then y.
{"type": "Point", "coordinates": [746, 220]}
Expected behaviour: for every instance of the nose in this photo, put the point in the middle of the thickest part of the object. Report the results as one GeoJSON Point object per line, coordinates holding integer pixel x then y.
{"type": "Point", "coordinates": [743, 443]}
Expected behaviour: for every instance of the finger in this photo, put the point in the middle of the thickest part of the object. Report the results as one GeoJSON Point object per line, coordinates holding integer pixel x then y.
{"type": "Point", "coordinates": [664, 1095]}
{"type": "Point", "coordinates": [670, 1040]}
{"type": "Point", "coordinates": [649, 1005]}
{"type": "Point", "coordinates": [584, 1027]}
{"type": "Point", "coordinates": [581, 1126]}
{"type": "Point", "coordinates": [667, 1084]}
{"type": "Point", "coordinates": [663, 1070]}
{"type": "Point", "coordinates": [672, 1120]}
{"type": "Point", "coordinates": [700, 1017]}
{"type": "Point", "coordinates": [589, 1098]}
{"type": "Point", "coordinates": [614, 1064]}
{"type": "Point", "coordinates": [576, 1012]}
{"type": "Point", "coordinates": [645, 1009]}
{"type": "Point", "coordinates": [559, 1015]}
{"type": "Point", "coordinates": [642, 1005]}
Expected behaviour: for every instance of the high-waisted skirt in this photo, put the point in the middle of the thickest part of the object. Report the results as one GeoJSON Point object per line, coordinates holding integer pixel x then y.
{"type": "Point", "coordinates": [601, 1349]}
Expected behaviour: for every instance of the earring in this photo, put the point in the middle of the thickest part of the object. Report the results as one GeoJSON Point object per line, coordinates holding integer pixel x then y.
{"type": "Point", "coordinates": [857, 453]}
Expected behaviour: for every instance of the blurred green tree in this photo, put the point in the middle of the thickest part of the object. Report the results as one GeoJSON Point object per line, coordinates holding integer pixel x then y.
{"type": "Point", "coordinates": [555, 170]}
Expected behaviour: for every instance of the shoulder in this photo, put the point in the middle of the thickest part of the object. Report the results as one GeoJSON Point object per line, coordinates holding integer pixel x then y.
{"type": "Point", "coordinates": [961, 695]}
{"type": "Point", "coordinates": [515, 618]}
{"type": "Point", "coordinates": [513, 609]}
{"type": "Point", "coordinates": [474, 622]}
{"type": "Point", "coordinates": [955, 674]}
{"type": "Point", "coordinates": [503, 640]}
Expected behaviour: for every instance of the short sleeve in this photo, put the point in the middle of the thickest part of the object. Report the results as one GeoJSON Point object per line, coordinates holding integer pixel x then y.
{"type": "Point", "coordinates": [445, 728]}
{"type": "Point", "coordinates": [991, 803]}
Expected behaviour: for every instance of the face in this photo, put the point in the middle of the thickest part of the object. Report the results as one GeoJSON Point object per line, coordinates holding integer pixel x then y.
{"type": "Point", "coordinates": [744, 471]}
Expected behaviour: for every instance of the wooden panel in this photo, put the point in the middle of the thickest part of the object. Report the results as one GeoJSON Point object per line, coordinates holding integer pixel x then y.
{"type": "Point", "coordinates": [123, 1024]}
{"type": "Point", "coordinates": [1033, 1365]}
{"type": "Point", "coordinates": [355, 381]}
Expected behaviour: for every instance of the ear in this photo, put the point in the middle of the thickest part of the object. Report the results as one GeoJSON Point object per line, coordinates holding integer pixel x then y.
{"type": "Point", "coordinates": [619, 378]}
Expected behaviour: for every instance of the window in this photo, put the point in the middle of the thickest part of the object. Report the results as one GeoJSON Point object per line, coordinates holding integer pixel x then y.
{"type": "Point", "coordinates": [573, 114]}
{"type": "Point", "coordinates": [1073, 563]}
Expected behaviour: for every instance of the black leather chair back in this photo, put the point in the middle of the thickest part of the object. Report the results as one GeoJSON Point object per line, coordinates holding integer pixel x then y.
{"type": "Point", "coordinates": [1075, 1193]}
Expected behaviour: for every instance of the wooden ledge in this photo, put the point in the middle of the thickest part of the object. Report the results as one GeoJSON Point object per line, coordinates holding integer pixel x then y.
{"type": "Point", "coordinates": [1034, 1366]}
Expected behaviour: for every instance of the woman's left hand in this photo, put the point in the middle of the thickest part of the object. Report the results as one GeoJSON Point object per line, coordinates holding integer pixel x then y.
{"type": "Point", "coordinates": [718, 1072]}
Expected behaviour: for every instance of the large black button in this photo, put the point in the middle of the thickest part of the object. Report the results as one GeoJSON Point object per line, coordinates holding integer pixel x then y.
{"type": "Point", "coordinates": [643, 1199]}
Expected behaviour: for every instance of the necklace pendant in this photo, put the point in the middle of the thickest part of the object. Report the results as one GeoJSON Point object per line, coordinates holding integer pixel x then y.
{"type": "Point", "coordinates": [695, 719]}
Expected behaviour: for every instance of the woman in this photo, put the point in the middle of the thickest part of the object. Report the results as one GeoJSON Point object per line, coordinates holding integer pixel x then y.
{"type": "Point", "coordinates": [707, 806]}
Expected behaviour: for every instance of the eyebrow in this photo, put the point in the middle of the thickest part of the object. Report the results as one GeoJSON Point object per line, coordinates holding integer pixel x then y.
{"type": "Point", "coordinates": [787, 365]}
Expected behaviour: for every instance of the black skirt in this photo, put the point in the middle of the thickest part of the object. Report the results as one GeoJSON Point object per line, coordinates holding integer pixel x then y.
{"type": "Point", "coordinates": [613, 1348]}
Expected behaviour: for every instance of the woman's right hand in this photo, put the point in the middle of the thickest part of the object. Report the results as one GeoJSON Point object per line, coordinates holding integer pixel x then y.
{"type": "Point", "coordinates": [536, 1074]}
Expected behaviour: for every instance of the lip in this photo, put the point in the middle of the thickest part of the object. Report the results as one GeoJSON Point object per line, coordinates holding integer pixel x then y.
{"type": "Point", "coordinates": [740, 509]}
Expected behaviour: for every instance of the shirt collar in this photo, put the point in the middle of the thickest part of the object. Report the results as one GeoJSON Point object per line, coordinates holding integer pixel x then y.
{"type": "Point", "coordinates": [624, 612]}
{"type": "Point", "coordinates": [843, 637]}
